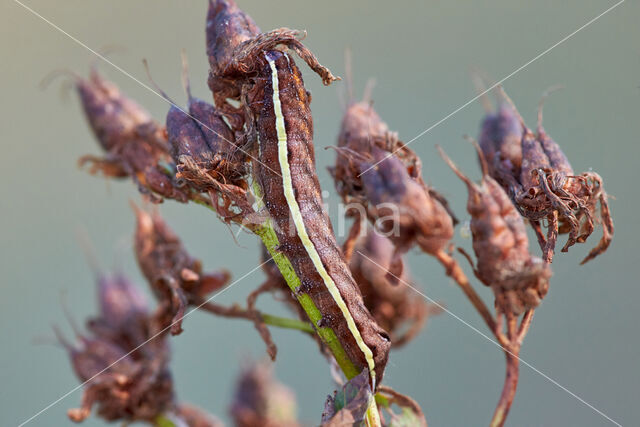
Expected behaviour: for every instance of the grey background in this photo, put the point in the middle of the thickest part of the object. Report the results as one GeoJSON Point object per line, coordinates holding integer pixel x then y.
{"type": "Point", "coordinates": [584, 336]}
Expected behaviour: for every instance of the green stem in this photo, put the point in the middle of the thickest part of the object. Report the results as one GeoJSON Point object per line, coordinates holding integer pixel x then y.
{"type": "Point", "coordinates": [163, 421]}
{"type": "Point", "coordinates": [287, 323]}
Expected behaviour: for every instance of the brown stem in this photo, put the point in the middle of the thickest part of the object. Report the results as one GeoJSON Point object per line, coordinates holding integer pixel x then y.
{"type": "Point", "coordinates": [509, 387]}
{"type": "Point", "coordinates": [350, 244]}
{"type": "Point", "coordinates": [524, 325]}
{"type": "Point", "coordinates": [454, 271]}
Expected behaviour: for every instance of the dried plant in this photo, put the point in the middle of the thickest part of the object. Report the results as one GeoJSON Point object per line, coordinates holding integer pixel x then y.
{"type": "Point", "coordinates": [541, 183]}
{"type": "Point", "coordinates": [250, 158]}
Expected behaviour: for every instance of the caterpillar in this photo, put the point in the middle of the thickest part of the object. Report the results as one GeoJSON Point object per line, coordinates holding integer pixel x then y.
{"type": "Point", "coordinates": [286, 173]}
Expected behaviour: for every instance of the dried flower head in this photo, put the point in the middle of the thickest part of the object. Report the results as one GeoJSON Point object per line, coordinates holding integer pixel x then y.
{"type": "Point", "coordinates": [518, 279]}
{"type": "Point", "coordinates": [260, 400]}
{"type": "Point", "coordinates": [376, 170]}
{"type": "Point", "coordinates": [128, 381]}
{"type": "Point", "coordinates": [135, 144]}
{"type": "Point", "coordinates": [234, 45]}
{"type": "Point", "coordinates": [396, 308]}
{"type": "Point", "coordinates": [175, 277]}
{"type": "Point", "coordinates": [227, 28]}
{"type": "Point", "coordinates": [124, 314]}
{"type": "Point", "coordinates": [541, 183]}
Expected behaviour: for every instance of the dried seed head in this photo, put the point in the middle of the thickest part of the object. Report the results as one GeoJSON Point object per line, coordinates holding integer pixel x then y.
{"type": "Point", "coordinates": [135, 145]}
{"type": "Point", "coordinates": [541, 182]}
{"type": "Point", "coordinates": [376, 170]}
{"type": "Point", "coordinates": [395, 308]}
{"type": "Point", "coordinates": [123, 311]}
{"type": "Point", "coordinates": [204, 137]}
{"type": "Point", "coordinates": [175, 277]}
{"type": "Point", "coordinates": [260, 400]}
{"type": "Point", "coordinates": [500, 136]}
{"type": "Point", "coordinates": [518, 279]}
{"type": "Point", "coordinates": [402, 208]}
{"type": "Point", "coordinates": [111, 115]}
{"type": "Point", "coordinates": [227, 27]}
{"type": "Point", "coordinates": [127, 382]}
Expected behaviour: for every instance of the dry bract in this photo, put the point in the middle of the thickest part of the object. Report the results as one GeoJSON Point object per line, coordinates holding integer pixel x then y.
{"type": "Point", "coordinates": [518, 279]}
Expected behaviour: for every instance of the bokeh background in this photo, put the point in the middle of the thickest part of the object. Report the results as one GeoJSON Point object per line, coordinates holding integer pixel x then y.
{"type": "Point", "coordinates": [585, 334]}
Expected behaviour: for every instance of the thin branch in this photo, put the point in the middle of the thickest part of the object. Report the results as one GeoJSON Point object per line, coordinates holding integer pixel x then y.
{"type": "Point", "coordinates": [454, 271]}
{"type": "Point", "coordinates": [238, 312]}
{"type": "Point", "coordinates": [508, 390]}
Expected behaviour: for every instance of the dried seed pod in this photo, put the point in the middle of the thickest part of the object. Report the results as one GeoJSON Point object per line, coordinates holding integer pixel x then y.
{"type": "Point", "coordinates": [123, 312]}
{"type": "Point", "coordinates": [500, 139]}
{"type": "Point", "coordinates": [128, 382]}
{"type": "Point", "coordinates": [395, 308]}
{"type": "Point", "coordinates": [175, 277]}
{"type": "Point", "coordinates": [207, 157]}
{"type": "Point", "coordinates": [227, 27]}
{"type": "Point", "coordinates": [376, 170]}
{"type": "Point", "coordinates": [202, 134]}
{"type": "Point", "coordinates": [518, 279]}
{"type": "Point", "coordinates": [541, 182]}
{"type": "Point", "coordinates": [260, 400]}
{"type": "Point", "coordinates": [234, 43]}
{"type": "Point", "coordinates": [401, 208]}
{"type": "Point", "coordinates": [135, 144]}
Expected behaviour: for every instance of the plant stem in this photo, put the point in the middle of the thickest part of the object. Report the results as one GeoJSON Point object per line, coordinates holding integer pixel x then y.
{"type": "Point", "coordinates": [508, 389]}
{"type": "Point", "coordinates": [454, 271]}
{"type": "Point", "coordinates": [269, 319]}
{"type": "Point", "coordinates": [284, 322]}
{"type": "Point", "coordinates": [163, 421]}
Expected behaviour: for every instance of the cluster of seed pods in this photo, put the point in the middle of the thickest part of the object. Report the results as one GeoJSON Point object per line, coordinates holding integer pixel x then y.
{"type": "Point", "coordinates": [124, 361]}
{"type": "Point", "coordinates": [541, 183]}
{"type": "Point", "coordinates": [126, 374]}
{"type": "Point", "coordinates": [518, 279]}
{"type": "Point", "coordinates": [377, 171]}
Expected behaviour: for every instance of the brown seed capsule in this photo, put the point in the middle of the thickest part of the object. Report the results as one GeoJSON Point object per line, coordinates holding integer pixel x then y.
{"type": "Point", "coordinates": [175, 277]}
{"type": "Point", "coordinates": [201, 135]}
{"type": "Point", "coordinates": [234, 43]}
{"type": "Point", "coordinates": [376, 170]}
{"type": "Point", "coordinates": [401, 208]}
{"type": "Point", "coordinates": [260, 400]}
{"type": "Point", "coordinates": [128, 382]}
{"type": "Point", "coordinates": [518, 279]}
{"type": "Point", "coordinates": [395, 308]}
{"type": "Point", "coordinates": [135, 144]}
{"type": "Point", "coordinates": [500, 140]}
{"type": "Point", "coordinates": [227, 28]}
{"type": "Point", "coordinates": [541, 182]}
{"type": "Point", "coordinates": [123, 312]}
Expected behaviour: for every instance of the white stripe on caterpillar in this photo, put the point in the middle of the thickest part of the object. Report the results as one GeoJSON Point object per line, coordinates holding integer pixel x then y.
{"type": "Point", "coordinates": [296, 215]}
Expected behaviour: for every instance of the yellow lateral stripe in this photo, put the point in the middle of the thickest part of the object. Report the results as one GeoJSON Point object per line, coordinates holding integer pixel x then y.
{"type": "Point", "coordinates": [296, 214]}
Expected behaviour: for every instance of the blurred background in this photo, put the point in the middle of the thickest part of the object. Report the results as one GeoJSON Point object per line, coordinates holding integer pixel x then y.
{"type": "Point", "coordinates": [585, 334]}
